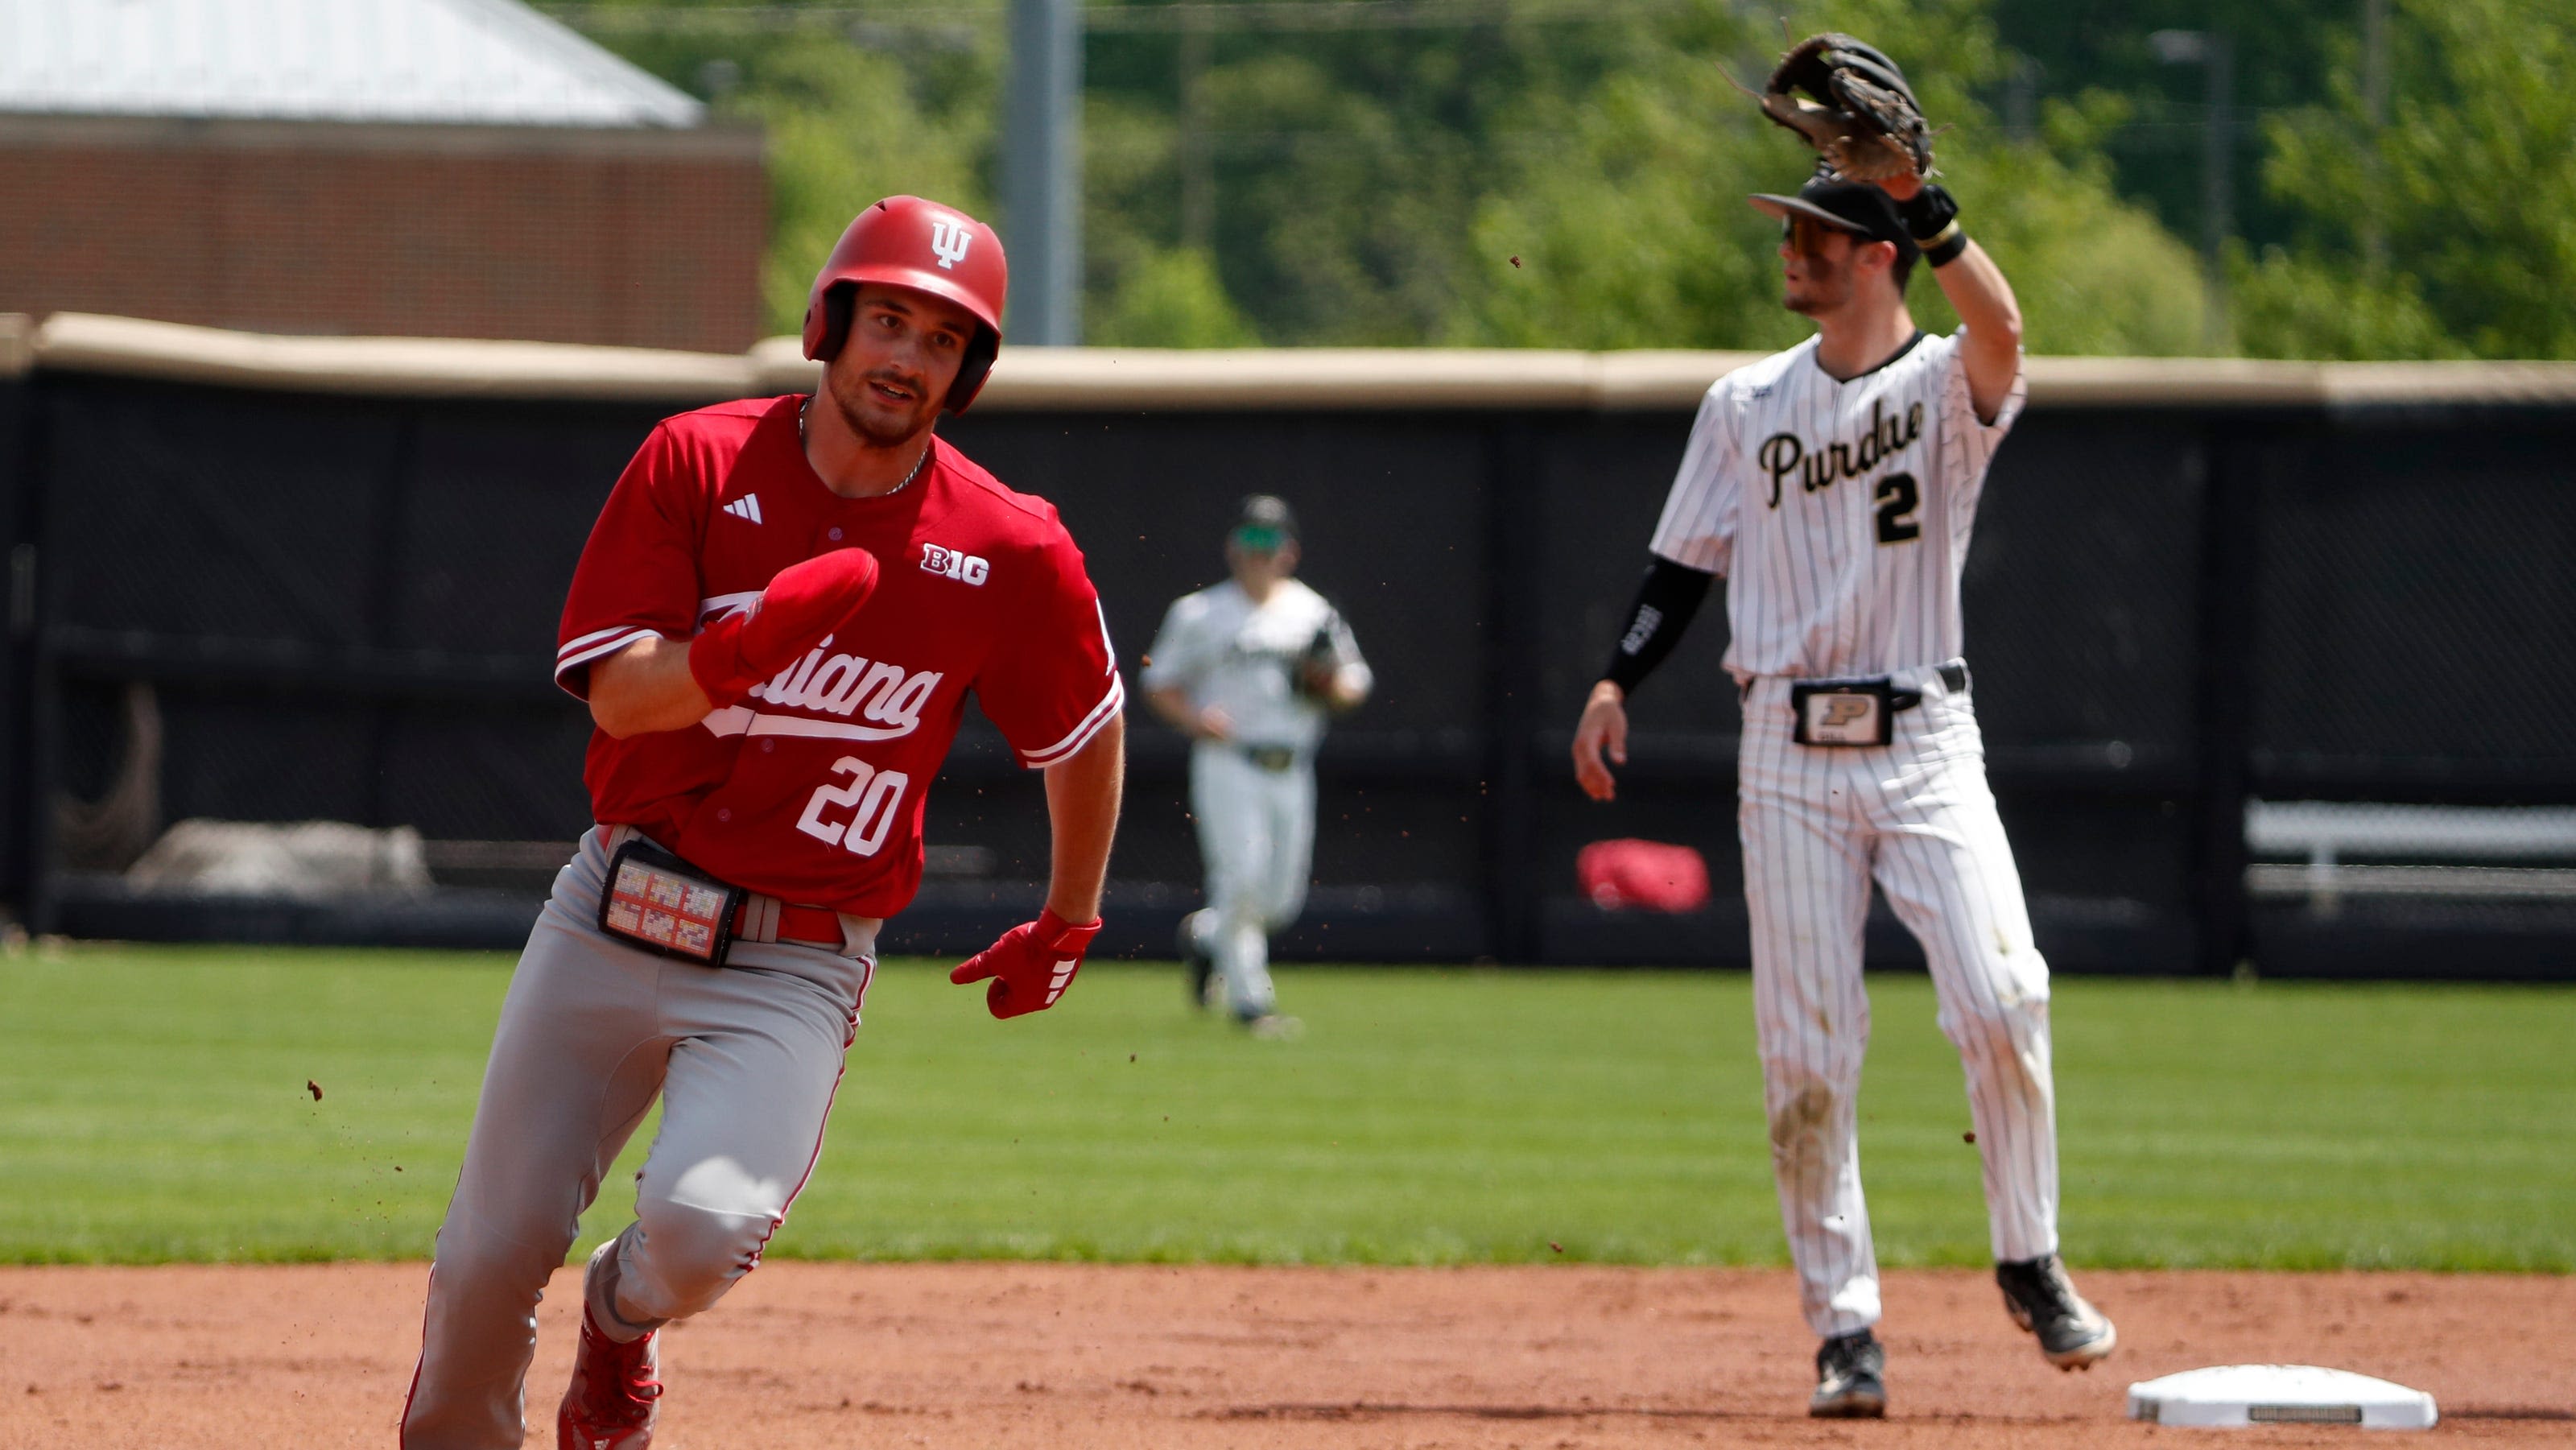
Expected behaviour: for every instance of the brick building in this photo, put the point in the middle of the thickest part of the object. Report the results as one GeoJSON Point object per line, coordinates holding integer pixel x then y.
{"type": "Point", "coordinates": [438, 168]}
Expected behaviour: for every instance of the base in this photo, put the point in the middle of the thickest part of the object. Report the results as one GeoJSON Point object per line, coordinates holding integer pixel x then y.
{"type": "Point", "coordinates": [2279, 1394]}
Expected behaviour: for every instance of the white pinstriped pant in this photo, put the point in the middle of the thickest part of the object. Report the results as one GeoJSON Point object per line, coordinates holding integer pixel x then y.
{"type": "Point", "coordinates": [1818, 824]}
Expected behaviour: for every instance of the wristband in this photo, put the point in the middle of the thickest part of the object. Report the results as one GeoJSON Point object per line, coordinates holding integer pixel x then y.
{"type": "Point", "coordinates": [1944, 249]}
{"type": "Point", "coordinates": [1931, 217]}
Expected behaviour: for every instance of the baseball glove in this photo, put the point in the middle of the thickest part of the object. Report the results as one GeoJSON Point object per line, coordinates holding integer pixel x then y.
{"type": "Point", "coordinates": [1857, 110]}
{"type": "Point", "coordinates": [1317, 663]}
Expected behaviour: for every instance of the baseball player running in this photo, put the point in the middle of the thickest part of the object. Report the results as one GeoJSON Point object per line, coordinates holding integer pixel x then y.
{"type": "Point", "coordinates": [776, 623]}
{"type": "Point", "coordinates": [1834, 486]}
{"type": "Point", "coordinates": [1248, 670]}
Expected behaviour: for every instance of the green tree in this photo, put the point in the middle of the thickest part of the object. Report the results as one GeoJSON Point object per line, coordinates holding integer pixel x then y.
{"type": "Point", "coordinates": [2079, 53]}
{"type": "Point", "coordinates": [851, 111]}
{"type": "Point", "coordinates": [1343, 166]}
{"type": "Point", "coordinates": [2453, 229]}
{"type": "Point", "coordinates": [1171, 298]}
{"type": "Point", "coordinates": [1635, 232]}
{"type": "Point", "coordinates": [1141, 289]}
{"type": "Point", "coordinates": [1373, 185]}
{"type": "Point", "coordinates": [845, 128]}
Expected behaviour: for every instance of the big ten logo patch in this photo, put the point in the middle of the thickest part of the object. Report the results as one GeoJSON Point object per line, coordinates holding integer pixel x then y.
{"type": "Point", "coordinates": [948, 563]}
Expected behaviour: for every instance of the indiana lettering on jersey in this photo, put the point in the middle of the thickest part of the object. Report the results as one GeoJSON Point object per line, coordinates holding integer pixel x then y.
{"type": "Point", "coordinates": [847, 685]}
{"type": "Point", "coordinates": [1783, 453]}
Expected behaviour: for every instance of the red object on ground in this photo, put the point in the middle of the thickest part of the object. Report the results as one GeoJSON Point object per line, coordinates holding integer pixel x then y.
{"type": "Point", "coordinates": [1650, 875]}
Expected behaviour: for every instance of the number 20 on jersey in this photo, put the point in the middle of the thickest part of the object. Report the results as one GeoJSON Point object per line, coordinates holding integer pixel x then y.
{"type": "Point", "coordinates": [871, 797]}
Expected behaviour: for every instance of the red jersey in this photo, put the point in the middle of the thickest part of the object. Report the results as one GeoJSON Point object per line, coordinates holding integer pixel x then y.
{"type": "Point", "coordinates": [812, 789]}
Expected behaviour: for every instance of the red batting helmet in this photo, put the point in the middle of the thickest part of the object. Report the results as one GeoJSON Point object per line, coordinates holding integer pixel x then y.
{"type": "Point", "coordinates": [904, 241]}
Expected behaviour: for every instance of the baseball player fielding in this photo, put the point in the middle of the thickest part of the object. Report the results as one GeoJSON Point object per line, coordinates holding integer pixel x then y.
{"type": "Point", "coordinates": [1834, 487]}
{"type": "Point", "coordinates": [1249, 670]}
{"type": "Point", "coordinates": [776, 623]}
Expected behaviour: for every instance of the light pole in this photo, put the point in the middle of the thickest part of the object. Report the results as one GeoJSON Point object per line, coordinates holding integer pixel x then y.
{"type": "Point", "coordinates": [2215, 54]}
{"type": "Point", "coordinates": [1042, 173]}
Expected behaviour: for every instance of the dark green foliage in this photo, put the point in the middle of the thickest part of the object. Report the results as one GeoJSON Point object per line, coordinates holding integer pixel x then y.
{"type": "Point", "coordinates": [1365, 175]}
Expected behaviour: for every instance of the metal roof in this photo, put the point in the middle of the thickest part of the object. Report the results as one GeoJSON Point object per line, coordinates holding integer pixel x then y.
{"type": "Point", "coordinates": [467, 62]}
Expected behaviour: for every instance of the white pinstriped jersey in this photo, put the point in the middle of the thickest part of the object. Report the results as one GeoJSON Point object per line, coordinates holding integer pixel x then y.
{"type": "Point", "coordinates": [1839, 512]}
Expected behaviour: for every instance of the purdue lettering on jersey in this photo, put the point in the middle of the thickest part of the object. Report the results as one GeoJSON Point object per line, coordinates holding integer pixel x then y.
{"type": "Point", "coordinates": [1855, 572]}
{"type": "Point", "coordinates": [1786, 453]}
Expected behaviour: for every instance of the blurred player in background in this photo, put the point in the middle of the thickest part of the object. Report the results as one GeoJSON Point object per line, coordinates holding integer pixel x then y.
{"type": "Point", "coordinates": [1834, 486]}
{"type": "Point", "coordinates": [776, 624]}
{"type": "Point", "coordinates": [1249, 670]}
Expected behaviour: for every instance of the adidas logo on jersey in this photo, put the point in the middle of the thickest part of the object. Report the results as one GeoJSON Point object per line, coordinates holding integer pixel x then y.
{"type": "Point", "coordinates": [745, 507]}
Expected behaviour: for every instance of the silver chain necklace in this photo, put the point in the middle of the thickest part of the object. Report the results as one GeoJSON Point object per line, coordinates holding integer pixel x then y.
{"type": "Point", "coordinates": [808, 406]}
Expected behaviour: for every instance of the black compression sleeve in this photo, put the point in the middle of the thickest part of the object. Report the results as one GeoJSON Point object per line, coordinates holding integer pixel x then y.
{"type": "Point", "coordinates": [1666, 599]}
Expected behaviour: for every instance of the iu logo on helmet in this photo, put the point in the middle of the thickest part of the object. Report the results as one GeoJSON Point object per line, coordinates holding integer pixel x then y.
{"type": "Point", "coordinates": [948, 242]}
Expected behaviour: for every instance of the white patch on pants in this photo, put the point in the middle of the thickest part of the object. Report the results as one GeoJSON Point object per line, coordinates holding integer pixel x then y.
{"type": "Point", "coordinates": [1257, 838]}
{"type": "Point", "coordinates": [1916, 815]}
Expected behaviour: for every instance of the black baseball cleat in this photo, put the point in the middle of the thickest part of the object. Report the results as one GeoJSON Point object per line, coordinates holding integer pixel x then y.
{"type": "Point", "coordinates": [1849, 1379]}
{"type": "Point", "coordinates": [2072, 1333]}
{"type": "Point", "coordinates": [1195, 957]}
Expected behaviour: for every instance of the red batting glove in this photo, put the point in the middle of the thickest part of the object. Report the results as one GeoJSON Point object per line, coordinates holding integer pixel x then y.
{"type": "Point", "coordinates": [1030, 966]}
{"type": "Point", "coordinates": [802, 604]}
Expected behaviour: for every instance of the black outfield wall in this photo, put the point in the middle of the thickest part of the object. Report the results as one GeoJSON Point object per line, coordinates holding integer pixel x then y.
{"type": "Point", "coordinates": [344, 606]}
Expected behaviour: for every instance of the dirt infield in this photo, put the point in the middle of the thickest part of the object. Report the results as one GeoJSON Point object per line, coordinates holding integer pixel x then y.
{"type": "Point", "coordinates": [1073, 1357]}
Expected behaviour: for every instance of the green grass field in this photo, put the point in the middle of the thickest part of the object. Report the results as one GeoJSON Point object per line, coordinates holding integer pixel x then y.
{"type": "Point", "coordinates": [153, 1106]}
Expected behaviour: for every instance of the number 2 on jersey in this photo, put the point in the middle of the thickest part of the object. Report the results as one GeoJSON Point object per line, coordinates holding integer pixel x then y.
{"type": "Point", "coordinates": [1897, 498]}
{"type": "Point", "coordinates": [875, 793]}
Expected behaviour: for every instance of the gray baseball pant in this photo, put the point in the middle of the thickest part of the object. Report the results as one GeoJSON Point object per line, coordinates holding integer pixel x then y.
{"type": "Point", "coordinates": [1257, 835]}
{"type": "Point", "coordinates": [745, 1058]}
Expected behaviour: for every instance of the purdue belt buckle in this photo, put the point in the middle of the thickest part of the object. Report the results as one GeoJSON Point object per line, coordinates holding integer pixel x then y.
{"type": "Point", "coordinates": [663, 904]}
{"type": "Point", "coordinates": [1846, 712]}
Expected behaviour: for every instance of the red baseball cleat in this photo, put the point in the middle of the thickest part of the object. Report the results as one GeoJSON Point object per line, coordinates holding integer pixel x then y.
{"type": "Point", "coordinates": [615, 1396]}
